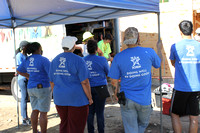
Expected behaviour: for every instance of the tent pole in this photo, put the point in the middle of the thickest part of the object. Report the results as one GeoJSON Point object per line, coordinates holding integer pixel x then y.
{"type": "Point", "coordinates": [117, 37]}
{"type": "Point", "coordinates": [16, 78]}
{"type": "Point", "coordinates": [160, 76]}
{"type": "Point", "coordinates": [13, 27]}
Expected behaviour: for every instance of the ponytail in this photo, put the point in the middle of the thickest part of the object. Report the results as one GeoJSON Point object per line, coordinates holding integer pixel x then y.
{"type": "Point", "coordinates": [31, 48]}
{"type": "Point", "coordinates": [17, 51]}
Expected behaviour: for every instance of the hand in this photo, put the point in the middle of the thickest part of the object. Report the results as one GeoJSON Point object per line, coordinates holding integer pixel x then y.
{"type": "Point", "coordinates": [90, 101]}
{"type": "Point", "coordinates": [115, 95]}
{"type": "Point", "coordinates": [110, 59]}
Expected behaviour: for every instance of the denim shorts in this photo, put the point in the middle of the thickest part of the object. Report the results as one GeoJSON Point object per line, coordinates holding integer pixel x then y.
{"type": "Point", "coordinates": [40, 98]}
{"type": "Point", "coordinates": [135, 116]}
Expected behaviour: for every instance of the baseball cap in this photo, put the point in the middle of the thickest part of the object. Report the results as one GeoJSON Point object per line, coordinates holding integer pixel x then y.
{"type": "Point", "coordinates": [87, 35]}
{"type": "Point", "coordinates": [69, 42]}
{"type": "Point", "coordinates": [23, 44]}
{"type": "Point", "coordinates": [131, 36]}
{"type": "Point", "coordinates": [198, 31]}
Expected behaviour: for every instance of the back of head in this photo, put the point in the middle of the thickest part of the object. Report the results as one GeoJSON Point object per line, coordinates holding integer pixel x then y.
{"type": "Point", "coordinates": [108, 36]}
{"type": "Point", "coordinates": [131, 36]}
{"type": "Point", "coordinates": [92, 46]}
{"type": "Point", "coordinates": [22, 45]}
{"type": "Point", "coordinates": [87, 35]}
{"type": "Point", "coordinates": [186, 27]}
{"type": "Point", "coordinates": [31, 48]}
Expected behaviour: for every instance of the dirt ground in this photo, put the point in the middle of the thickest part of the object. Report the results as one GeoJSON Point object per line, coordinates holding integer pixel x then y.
{"type": "Point", "coordinates": [113, 122]}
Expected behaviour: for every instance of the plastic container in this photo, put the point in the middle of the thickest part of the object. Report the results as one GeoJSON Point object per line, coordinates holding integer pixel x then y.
{"type": "Point", "coordinates": [166, 105]}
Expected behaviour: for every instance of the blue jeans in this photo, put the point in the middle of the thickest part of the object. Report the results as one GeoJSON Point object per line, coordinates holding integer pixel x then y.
{"type": "Point", "coordinates": [24, 97]}
{"type": "Point", "coordinates": [135, 116]}
{"type": "Point", "coordinates": [98, 108]}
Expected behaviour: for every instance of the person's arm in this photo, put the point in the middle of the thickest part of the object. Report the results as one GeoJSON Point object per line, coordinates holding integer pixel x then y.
{"type": "Point", "coordinates": [100, 53]}
{"type": "Point", "coordinates": [79, 48]}
{"type": "Point", "coordinates": [23, 74]}
{"type": "Point", "coordinates": [173, 62]}
{"type": "Point", "coordinates": [52, 85]}
{"type": "Point", "coordinates": [86, 87]}
{"type": "Point", "coordinates": [108, 51]}
{"type": "Point", "coordinates": [115, 83]}
{"type": "Point", "coordinates": [110, 58]}
{"type": "Point", "coordinates": [172, 55]}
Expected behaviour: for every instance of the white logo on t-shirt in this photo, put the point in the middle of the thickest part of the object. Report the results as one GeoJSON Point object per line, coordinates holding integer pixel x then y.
{"type": "Point", "coordinates": [89, 64]}
{"type": "Point", "coordinates": [62, 62]}
{"type": "Point", "coordinates": [136, 63]}
{"type": "Point", "coordinates": [31, 61]}
{"type": "Point", "coordinates": [190, 50]}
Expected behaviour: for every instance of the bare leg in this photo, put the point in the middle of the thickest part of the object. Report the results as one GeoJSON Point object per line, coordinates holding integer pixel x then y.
{"type": "Point", "coordinates": [34, 120]}
{"type": "Point", "coordinates": [193, 124]}
{"type": "Point", "coordinates": [43, 122]}
{"type": "Point", "coordinates": [176, 123]}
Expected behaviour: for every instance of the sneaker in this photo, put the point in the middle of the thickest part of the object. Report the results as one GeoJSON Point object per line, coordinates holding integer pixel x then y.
{"type": "Point", "coordinates": [26, 122]}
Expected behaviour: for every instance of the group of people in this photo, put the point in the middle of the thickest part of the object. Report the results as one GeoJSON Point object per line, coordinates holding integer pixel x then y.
{"type": "Point", "coordinates": [75, 80]}
{"type": "Point", "coordinates": [103, 45]}
{"type": "Point", "coordinates": [71, 78]}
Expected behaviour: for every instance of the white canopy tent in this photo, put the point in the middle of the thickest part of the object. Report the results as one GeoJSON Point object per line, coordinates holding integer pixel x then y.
{"type": "Point", "coordinates": [30, 13]}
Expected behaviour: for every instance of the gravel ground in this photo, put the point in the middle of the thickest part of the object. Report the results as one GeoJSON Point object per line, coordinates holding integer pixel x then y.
{"type": "Point", "coordinates": [113, 122]}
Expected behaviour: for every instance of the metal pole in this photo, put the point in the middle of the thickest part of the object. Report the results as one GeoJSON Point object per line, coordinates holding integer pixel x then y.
{"type": "Point", "coordinates": [16, 78]}
{"type": "Point", "coordinates": [13, 27]}
{"type": "Point", "coordinates": [160, 77]}
{"type": "Point", "coordinates": [117, 37]}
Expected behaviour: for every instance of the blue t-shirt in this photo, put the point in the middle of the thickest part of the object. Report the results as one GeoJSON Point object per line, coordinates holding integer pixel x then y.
{"type": "Point", "coordinates": [99, 68]}
{"type": "Point", "coordinates": [20, 58]}
{"type": "Point", "coordinates": [133, 66]}
{"type": "Point", "coordinates": [186, 54]}
{"type": "Point", "coordinates": [37, 67]}
{"type": "Point", "coordinates": [67, 71]}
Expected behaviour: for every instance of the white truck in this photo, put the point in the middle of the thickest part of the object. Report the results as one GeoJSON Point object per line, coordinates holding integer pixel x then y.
{"type": "Point", "coordinates": [48, 36]}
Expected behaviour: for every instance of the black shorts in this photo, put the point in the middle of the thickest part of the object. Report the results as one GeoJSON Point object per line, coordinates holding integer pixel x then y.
{"type": "Point", "coordinates": [185, 103]}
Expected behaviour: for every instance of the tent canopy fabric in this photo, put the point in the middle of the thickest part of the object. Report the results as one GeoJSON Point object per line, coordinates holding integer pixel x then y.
{"type": "Point", "coordinates": [30, 13]}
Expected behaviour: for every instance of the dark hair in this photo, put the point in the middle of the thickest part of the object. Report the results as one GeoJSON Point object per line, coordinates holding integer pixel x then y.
{"type": "Point", "coordinates": [18, 50]}
{"type": "Point", "coordinates": [108, 36]}
{"type": "Point", "coordinates": [186, 27]}
{"type": "Point", "coordinates": [65, 48]}
{"type": "Point", "coordinates": [92, 46]}
{"type": "Point", "coordinates": [32, 48]}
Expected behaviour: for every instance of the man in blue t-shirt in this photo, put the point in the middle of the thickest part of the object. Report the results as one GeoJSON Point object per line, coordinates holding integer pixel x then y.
{"type": "Point", "coordinates": [133, 67]}
{"type": "Point", "coordinates": [185, 57]}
